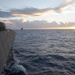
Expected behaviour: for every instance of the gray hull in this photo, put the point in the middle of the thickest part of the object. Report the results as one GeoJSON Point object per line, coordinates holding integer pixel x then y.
{"type": "Point", "coordinates": [6, 43]}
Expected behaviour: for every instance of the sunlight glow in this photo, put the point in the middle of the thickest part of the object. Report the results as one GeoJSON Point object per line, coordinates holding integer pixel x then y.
{"type": "Point", "coordinates": [60, 28]}
{"type": "Point", "coordinates": [68, 0]}
{"type": "Point", "coordinates": [73, 27]}
{"type": "Point", "coordinates": [21, 15]}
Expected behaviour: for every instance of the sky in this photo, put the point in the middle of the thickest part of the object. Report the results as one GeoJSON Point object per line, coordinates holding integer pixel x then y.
{"type": "Point", "coordinates": [38, 14]}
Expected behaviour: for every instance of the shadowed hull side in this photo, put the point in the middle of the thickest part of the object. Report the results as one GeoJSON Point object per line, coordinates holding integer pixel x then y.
{"type": "Point", "coordinates": [6, 43]}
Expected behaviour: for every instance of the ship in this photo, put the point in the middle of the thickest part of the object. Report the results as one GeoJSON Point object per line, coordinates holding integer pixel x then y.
{"type": "Point", "coordinates": [21, 28]}
{"type": "Point", "coordinates": [6, 44]}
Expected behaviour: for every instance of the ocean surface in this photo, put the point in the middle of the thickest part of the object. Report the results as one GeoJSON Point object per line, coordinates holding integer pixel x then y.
{"type": "Point", "coordinates": [43, 52]}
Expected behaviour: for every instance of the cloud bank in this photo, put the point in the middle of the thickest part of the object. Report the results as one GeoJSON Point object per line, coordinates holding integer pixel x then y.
{"type": "Point", "coordinates": [18, 24]}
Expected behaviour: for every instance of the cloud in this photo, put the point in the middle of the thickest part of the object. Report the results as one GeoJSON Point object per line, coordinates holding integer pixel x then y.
{"type": "Point", "coordinates": [5, 14]}
{"type": "Point", "coordinates": [26, 12]}
{"type": "Point", "coordinates": [1, 8]}
{"type": "Point", "coordinates": [30, 12]}
{"type": "Point", "coordinates": [19, 23]}
{"type": "Point", "coordinates": [69, 1]}
{"type": "Point", "coordinates": [62, 6]}
{"type": "Point", "coordinates": [37, 12]}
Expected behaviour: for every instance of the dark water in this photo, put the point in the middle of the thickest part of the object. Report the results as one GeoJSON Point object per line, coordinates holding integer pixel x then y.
{"type": "Point", "coordinates": [43, 52]}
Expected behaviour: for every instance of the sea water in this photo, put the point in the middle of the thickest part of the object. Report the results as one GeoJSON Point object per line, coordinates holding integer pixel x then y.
{"type": "Point", "coordinates": [43, 52]}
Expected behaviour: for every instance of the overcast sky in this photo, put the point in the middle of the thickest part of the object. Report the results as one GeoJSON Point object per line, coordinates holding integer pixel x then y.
{"type": "Point", "coordinates": [38, 14]}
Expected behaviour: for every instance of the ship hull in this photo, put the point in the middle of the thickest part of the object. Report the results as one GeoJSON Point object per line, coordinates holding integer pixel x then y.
{"type": "Point", "coordinates": [6, 44]}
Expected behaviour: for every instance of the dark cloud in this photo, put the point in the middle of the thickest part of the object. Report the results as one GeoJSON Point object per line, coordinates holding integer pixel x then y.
{"type": "Point", "coordinates": [5, 14]}
{"type": "Point", "coordinates": [23, 12]}
{"type": "Point", "coordinates": [30, 11]}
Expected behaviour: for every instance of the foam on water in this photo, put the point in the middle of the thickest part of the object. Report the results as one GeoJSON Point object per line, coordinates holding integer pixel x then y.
{"type": "Point", "coordinates": [14, 68]}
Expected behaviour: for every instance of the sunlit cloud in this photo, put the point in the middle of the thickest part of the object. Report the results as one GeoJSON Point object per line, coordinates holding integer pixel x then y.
{"type": "Point", "coordinates": [44, 12]}
{"type": "Point", "coordinates": [22, 20]}
{"type": "Point", "coordinates": [20, 15]}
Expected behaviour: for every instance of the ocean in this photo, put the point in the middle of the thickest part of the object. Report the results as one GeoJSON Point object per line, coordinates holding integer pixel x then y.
{"type": "Point", "coordinates": [42, 52]}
